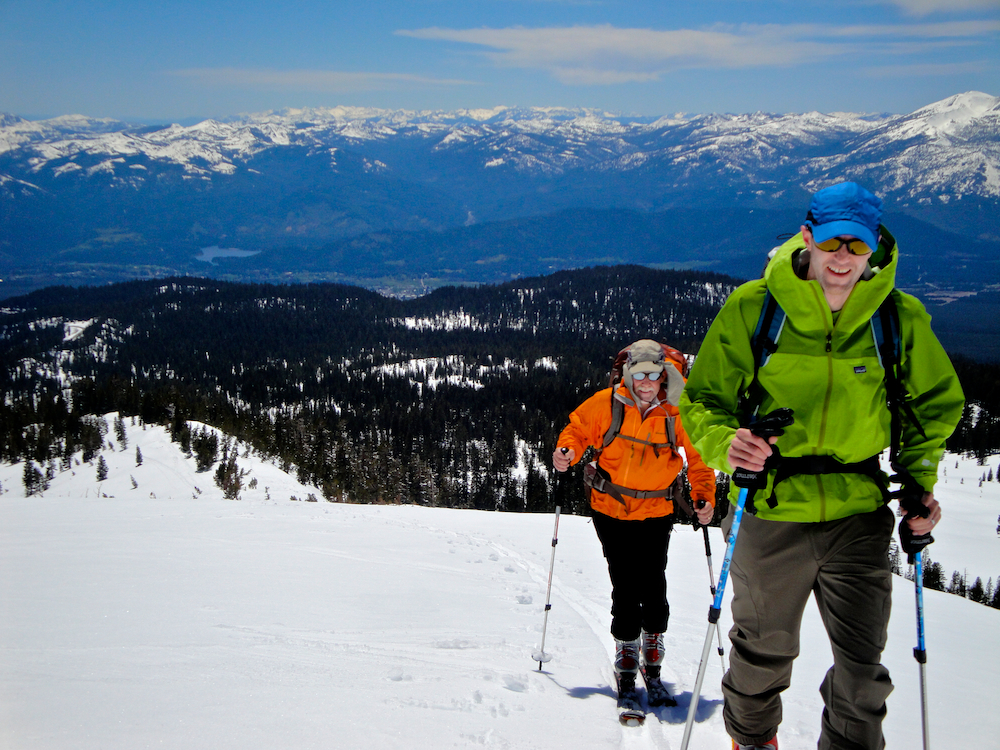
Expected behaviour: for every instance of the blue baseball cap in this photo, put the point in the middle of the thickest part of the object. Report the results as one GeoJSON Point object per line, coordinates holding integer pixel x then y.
{"type": "Point", "coordinates": [845, 208]}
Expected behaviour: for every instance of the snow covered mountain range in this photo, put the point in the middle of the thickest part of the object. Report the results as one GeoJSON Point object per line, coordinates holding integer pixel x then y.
{"type": "Point", "coordinates": [78, 194]}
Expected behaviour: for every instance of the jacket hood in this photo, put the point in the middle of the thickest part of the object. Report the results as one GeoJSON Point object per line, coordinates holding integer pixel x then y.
{"type": "Point", "coordinates": [802, 299]}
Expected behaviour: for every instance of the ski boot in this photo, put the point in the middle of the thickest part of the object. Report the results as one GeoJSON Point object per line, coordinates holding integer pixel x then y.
{"type": "Point", "coordinates": [630, 711]}
{"type": "Point", "coordinates": [652, 657]}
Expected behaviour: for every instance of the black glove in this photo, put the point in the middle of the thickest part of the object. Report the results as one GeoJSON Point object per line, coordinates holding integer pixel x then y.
{"type": "Point", "coordinates": [911, 500]}
{"type": "Point", "coordinates": [911, 544]}
{"type": "Point", "coordinates": [768, 426]}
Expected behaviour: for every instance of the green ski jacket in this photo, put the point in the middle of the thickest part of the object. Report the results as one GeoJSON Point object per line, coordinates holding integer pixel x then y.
{"type": "Point", "coordinates": [826, 368]}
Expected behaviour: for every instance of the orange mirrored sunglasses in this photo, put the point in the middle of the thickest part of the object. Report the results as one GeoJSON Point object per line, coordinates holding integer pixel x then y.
{"type": "Point", "coordinates": [854, 246]}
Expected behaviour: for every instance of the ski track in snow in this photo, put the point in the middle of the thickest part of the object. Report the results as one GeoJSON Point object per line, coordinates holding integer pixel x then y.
{"type": "Point", "coordinates": [166, 616]}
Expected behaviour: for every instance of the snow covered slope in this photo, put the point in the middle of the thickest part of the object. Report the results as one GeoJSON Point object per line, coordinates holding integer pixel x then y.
{"type": "Point", "coordinates": [162, 615]}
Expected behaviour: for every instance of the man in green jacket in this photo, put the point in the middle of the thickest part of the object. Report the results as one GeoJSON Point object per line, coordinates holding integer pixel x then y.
{"type": "Point", "coordinates": [825, 534]}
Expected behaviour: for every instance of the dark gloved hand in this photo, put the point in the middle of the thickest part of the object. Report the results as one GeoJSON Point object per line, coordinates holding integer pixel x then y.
{"type": "Point", "coordinates": [768, 426]}
{"type": "Point", "coordinates": [911, 496]}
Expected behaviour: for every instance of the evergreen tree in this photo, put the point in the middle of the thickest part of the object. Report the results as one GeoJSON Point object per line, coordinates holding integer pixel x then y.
{"type": "Point", "coordinates": [977, 592]}
{"type": "Point", "coordinates": [34, 482]}
{"type": "Point", "coordinates": [120, 432]}
{"type": "Point", "coordinates": [229, 478]}
{"type": "Point", "coordinates": [205, 446]}
{"type": "Point", "coordinates": [102, 469]}
{"type": "Point", "coordinates": [957, 585]}
{"type": "Point", "coordinates": [933, 574]}
{"type": "Point", "coordinates": [91, 440]}
{"type": "Point", "coordinates": [895, 563]}
{"type": "Point", "coordinates": [138, 456]}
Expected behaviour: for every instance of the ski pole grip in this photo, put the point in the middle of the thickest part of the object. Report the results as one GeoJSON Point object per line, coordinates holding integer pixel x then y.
{"type": "Point", "coordinates": [773, 424]}
{"type": "Point", "coordinates": [768, 426]}
{"type": "Point", "coordinates": [911, 543]}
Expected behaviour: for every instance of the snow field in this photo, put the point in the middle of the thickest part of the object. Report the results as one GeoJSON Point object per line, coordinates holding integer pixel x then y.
{"type": "Point", "coordinates": [166, 617]}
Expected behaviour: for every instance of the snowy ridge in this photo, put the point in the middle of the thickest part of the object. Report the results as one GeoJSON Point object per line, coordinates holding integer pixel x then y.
{"type": "Point", "coordinates": [952, 145]}
{"type": "Point", "coordinates": [950, 149]}
{"type": "Point", "coordinates": [146, 610]}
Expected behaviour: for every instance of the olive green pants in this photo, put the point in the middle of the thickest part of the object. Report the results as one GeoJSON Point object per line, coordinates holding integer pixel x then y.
{"type": "Point", "coordinates": [775, 567]}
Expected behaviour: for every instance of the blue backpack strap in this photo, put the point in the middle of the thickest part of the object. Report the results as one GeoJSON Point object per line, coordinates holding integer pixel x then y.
{"type": "Point", "coordinates": [763, 344]}
{"type": "Point", "coordinates": [769, 327]}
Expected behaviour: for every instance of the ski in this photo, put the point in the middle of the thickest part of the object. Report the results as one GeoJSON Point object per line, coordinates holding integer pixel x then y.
{"type": "Point", "coordinates": [656, 692]}
{"type": "Point", "coordinates": [630, 712]}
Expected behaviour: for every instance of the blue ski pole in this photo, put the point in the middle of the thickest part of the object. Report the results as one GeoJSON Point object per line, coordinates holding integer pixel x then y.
{"type": "Point", "coordinates": [920, 652]}
{"type": "Point", "coordinates": [914, 548]}
{"type": "Point", "coordinates": [771, 425]}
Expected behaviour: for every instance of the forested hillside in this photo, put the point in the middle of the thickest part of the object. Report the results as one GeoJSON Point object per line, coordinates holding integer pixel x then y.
{"type": "Point", "coordinates": [454, 398]}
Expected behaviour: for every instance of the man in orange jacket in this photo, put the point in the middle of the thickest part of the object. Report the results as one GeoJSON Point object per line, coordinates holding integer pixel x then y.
{"type": "Point", "coordinates": [631, 495]}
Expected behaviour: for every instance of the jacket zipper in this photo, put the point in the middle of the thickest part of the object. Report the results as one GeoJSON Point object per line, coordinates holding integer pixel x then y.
{"type": "Point", "coordinates": [820, 487]}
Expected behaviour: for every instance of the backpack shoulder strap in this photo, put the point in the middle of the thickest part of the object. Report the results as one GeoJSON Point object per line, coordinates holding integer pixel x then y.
{"type": "Point", "coordinates": [763, 344]}
{"type": "Point", "coordinates": [615, 428]}
{"type": "Point", "coordinates": [888, 342]}
{"type": "Point", "coordinates": [768, 331]}
{"type": "Point", "coordinates": [617, 417]}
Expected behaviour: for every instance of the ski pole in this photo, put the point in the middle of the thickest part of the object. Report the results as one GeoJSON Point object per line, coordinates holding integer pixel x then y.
{"type": "Point", "coordinates": [914, 548]}
{"type": "Point", "coordinates": [920, 652]}
{"type": "Point", "coordinates": [771, 425]}
{"type": "Point", "coordinates": [713, 616]}
{"type": "Point", "coordinates": [711, 587]}
{"type": "Point", "coordinates": [540, 656]}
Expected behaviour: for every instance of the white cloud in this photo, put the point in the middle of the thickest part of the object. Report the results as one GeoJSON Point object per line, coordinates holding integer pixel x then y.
{"type": "Point", "coordinates": [924, 7]}
{"type": "Point", "coordinates": [595, 55]}
{"type": "Point", "coordinates": [329, 81]}
{"type": "Point", "coordinates": [947, 30]}
{"type": "Point", "coordinates": [606, 54]}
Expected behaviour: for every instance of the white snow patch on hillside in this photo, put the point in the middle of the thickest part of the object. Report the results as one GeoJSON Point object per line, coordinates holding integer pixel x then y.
{"type": "Point", "coordinates": [449, 322]}
{"type": "Point", "coordinates": [73, 329]}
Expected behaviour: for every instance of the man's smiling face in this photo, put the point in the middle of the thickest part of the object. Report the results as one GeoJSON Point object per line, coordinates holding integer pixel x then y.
{"type": "Point", "coordinates": [836, 272]}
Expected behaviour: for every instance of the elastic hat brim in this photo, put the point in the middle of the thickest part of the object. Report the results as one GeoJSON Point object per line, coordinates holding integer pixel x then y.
{"type": "Point", "coordinates": [824, 232]}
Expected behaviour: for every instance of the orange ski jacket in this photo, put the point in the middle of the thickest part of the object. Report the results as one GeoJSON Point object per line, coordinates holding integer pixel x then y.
{"type": "Point", "coordinates": [635, 465]}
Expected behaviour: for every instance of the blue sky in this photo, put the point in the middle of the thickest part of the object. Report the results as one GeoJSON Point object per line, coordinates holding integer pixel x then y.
{"type": "Point", "coordinates": [178, 60]}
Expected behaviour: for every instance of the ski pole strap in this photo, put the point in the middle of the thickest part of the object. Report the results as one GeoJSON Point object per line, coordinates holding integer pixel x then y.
{"type": "Point", "coordinates": [910, 496]}
{"type": "Point", "coordinates": [912, 544]}
{"type": "Point", "coordinates": [768, 426]}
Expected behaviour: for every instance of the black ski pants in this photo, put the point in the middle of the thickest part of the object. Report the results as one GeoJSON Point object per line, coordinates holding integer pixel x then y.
{"type": "Point", "coordinates": [636, 552]}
